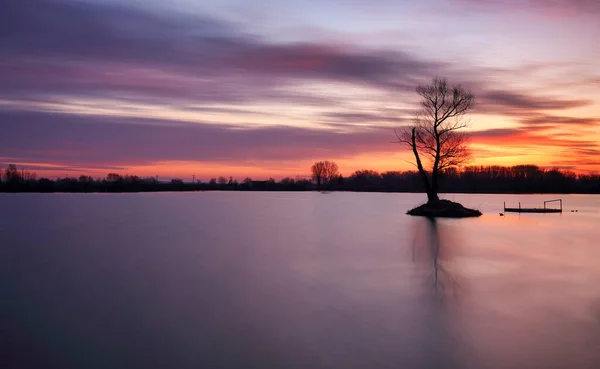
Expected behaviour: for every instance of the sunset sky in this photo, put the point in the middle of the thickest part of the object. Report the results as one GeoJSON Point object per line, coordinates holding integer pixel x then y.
{"type": "Point", "coordinates": [264, 88]}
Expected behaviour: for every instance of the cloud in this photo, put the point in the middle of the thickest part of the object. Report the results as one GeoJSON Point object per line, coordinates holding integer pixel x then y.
{"type": "Point", "coordinates": [54, 47]}
{"type": "Point", "coordinates": [496, 133]}
{"type": "Point", "coordinates": [569, 152]}
{"type": "Point", "coordinates": [54, 28]}
{"type": "Point", "coordinates": [506, 102]}
{"type": "Point", "coordinates": [536, 120]}
{"type": "Point", "coordinates": [527, 137]}
{"type": "Point", "coordinates": [112, 141]}
{"type": "Point", "coordinates": [589, 165]}
{"type": "Point", "coordinates": [580, 6]}
{"type": "Point", "coordinates": [370, 118]}
{"type": "Point", "coordinates": [70, 142]}
{"type": "Point", "coordinates": [61, 168]}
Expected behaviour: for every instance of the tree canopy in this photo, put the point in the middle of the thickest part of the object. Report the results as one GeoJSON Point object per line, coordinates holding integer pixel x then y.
{"type": "Point", "coordinates": [324, 171]}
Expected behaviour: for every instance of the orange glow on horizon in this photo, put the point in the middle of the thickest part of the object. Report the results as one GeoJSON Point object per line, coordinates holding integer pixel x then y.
{"type": "Point", "coordinates": [393, 161]}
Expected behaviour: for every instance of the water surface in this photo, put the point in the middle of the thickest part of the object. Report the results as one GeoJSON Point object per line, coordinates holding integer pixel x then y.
{"type": "Point", "coordinates": [295, 280]}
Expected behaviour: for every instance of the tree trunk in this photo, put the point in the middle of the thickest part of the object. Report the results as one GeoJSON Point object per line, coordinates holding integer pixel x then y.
{"type": "Point", "coordinates": [431, 193]}
{"type": "Point", "coordinates": [434, 186]}
{"type": "Point", "coordinates": [435, 170]}
{"type": "Point", "coordinates": [432, 196]}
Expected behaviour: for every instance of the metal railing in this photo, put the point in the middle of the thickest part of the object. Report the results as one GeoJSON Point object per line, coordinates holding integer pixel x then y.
{"type": "Point", "coordinates": [559, 200]}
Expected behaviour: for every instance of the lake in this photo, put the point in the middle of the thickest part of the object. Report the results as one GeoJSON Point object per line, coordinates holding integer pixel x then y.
{"type": "Point", "coordinates": [296, 280]}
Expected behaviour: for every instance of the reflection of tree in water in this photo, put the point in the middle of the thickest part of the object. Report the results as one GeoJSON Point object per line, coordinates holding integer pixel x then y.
{"type": "Point", "coordinates": [436, 243]}
{"type": "Point", "coordinates": [438, 331]}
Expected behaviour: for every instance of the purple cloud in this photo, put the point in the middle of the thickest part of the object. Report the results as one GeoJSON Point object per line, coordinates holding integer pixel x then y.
{"type": "Point", "coordinates": [557, 121]}
{"type": "Point", "coordinates": [586, 6]}
{"type": "Point", "coordinates": [63, 48]}
{"type": "Point", "coordinates": [110, 141]}
{"type": "Point", "coordinates": [521, 101]}
{"type": "Point", "coordinates": [50, 47]}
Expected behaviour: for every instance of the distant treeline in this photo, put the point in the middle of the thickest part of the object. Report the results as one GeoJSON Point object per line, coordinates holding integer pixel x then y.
{"type": "Point", "coordinates": [473, 179]}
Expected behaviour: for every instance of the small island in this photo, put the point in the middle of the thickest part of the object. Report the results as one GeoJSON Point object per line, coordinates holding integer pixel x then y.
{"type": "Point", "coordinates": [443, 209]}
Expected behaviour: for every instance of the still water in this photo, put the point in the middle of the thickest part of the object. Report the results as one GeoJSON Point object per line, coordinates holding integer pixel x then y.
{"type": "Point", "coordinates": [295, 280]}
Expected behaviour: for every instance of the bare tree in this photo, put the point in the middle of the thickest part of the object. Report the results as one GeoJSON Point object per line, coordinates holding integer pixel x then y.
{"type": "Point", "coordinates": [12, 175]}
{"type": "Point", "coordinates": [114, 177]}
{"type": "Point", "coordinates": [324, 171]}
{"type": "Point", "coordinates": [318, 172]}
{"type": "Point", "coordinates": [434, 135]}
{"type": "Point", "coordinates": [331, 171]}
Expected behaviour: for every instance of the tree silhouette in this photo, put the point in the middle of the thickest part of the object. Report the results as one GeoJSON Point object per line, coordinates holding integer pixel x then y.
{"type": "Point", "coordinates": [12, 175]}
{"type": "Point", "coordinates": [434, 134]}
{"type": "Point", "coordinates": [287, 181]}
{"type": "Point", "coordinates": [324, 171]}
{"type": "Point", "coordinates": [114, 177]}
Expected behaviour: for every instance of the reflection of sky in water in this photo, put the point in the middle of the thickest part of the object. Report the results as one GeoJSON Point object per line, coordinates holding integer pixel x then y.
{"type": "Point", "coordinates": [524, 299]}
{"type": "Point", "coordinates": [296, 280]}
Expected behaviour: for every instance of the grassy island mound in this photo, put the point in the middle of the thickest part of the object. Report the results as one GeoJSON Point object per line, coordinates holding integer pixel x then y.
{"type": "Point", "coordinates": [443, 209]}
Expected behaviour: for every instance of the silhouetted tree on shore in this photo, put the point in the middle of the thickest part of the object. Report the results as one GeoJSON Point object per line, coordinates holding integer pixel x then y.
{"type": "Point", "coordinates": [434, 136]}
{"type": "Point", "coordinates": [366, 179]}
{"type": "Point", "coordinates": [11, 174]}
{"type": "Point", "coordinates": [324, 172]}
{"type": "Point", "coordinates": [17, 180]}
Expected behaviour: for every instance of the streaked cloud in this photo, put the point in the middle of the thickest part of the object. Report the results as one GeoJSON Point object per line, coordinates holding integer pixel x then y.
{"type": "Point", "coordinates": [114, 141]}
{"type": "Point", "coordinates": [525, 103]}
{"type": "Point", "coordinates": [65, 47]}
{"type": "Point", "coordinates": [566, 5]}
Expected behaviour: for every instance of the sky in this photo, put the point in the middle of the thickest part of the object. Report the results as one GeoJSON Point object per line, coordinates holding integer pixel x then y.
{"type": "Point", "coordinates": [264, 88]}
